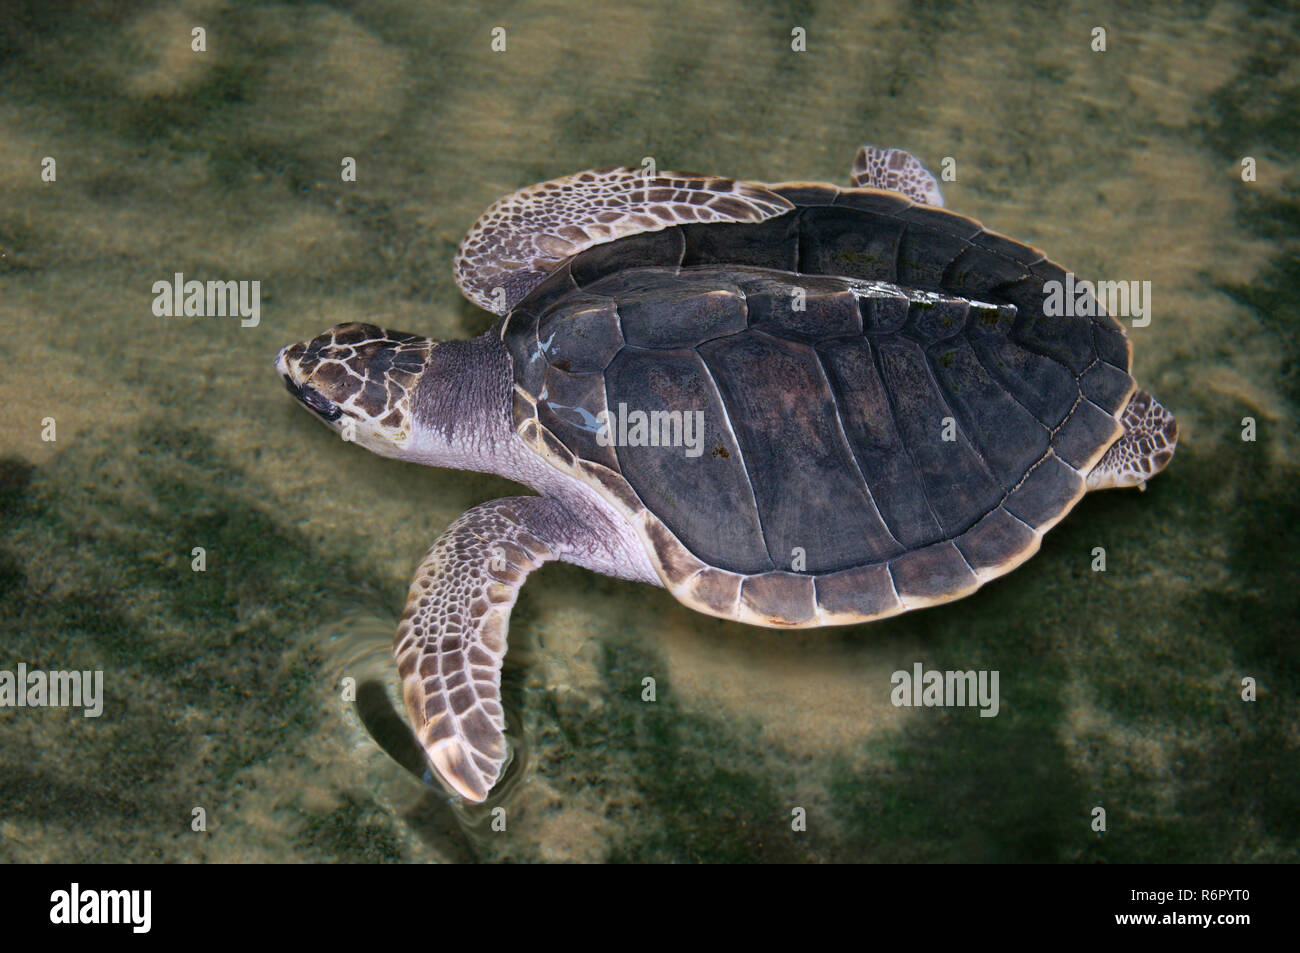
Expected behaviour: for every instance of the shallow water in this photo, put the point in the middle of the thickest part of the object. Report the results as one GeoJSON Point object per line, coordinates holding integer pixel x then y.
{"type": "Point", "coordinates": [222, 688]}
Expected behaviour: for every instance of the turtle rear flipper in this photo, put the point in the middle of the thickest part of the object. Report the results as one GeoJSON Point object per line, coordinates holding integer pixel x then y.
{"type": "Point", "coordinates": [525, 236]}
{"type": "Point", "coordinates": [1146, 447]}
{"type": "Point", "coordinates": [896, 171]}
{"type": "Point", "coordinates": [452, 637]}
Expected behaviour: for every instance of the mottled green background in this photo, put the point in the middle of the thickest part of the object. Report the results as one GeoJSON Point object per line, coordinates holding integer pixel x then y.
{"type": "Point", "coordinates": [1119, 689]}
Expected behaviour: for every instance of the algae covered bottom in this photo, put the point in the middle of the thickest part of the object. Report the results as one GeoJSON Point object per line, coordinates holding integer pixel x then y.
{"type": "Point", "coordinates": [1121, 686]}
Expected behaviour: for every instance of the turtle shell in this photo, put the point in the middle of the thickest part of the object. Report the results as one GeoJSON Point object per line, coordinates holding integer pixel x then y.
{"type": "Point", "coordinates": [851, 410]}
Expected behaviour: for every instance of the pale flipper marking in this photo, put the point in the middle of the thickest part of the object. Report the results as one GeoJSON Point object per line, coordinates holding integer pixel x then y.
{"type": "Point", "coordinates": [896, 171]}
{"type": "Point", "coordinates": [525, 236]}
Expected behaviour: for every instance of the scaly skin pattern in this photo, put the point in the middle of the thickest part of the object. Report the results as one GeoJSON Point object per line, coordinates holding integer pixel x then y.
{"type": "Point", "coordinates": [1147, 446]}
{"type": "Point", "coordinates": [368, 373]}
{"type": "Point", "coordinates": [896, 171]}
{"type": "Point", "coordinates": [452, 639]}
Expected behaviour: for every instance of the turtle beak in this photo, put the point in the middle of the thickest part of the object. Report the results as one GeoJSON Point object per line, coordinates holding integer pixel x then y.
{"type": "Point", "coordinates": [307, 395]}
{"type": "Point", "coordinates": [319, 404]}
{"type": "Point", "coordinates": [282, 361]}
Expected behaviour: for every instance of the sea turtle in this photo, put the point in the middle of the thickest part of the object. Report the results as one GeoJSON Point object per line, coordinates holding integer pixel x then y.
{"type": "Point", "coordinates": [789, 405]}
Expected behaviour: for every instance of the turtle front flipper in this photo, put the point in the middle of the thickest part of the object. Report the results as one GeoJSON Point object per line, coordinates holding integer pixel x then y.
{"type": "Point", "coordinates": [896, 171]}
{"type": "Point", "coordinates": [525, 236]}
{"type": "Point", "coordinates": [452, 637]}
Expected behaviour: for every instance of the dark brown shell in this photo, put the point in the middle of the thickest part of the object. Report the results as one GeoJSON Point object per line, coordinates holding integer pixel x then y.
{"type": "Point", "coordinates": [863, 452]}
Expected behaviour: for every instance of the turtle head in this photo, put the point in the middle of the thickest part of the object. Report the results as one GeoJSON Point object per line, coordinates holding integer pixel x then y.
{"type": "Point", "coordinates": [359, 379]}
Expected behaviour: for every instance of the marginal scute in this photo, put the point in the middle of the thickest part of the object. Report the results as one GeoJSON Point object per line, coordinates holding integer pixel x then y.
{"type": "Point", "coordinates": [997, 543]}
{"type": "Point", "coordinates": [1047, 493]}
{"type": "Point", "coordinates": [941, 221]}
{"type": "Point", "coordinates": [1104, 321]}
{"type": "Point", "coordinates": [717, 590]}
{"type": "Point", "coordinates": [648, 249]}
{"type": "Point", "coordinates": [1085, 435]}
{"type": "Point", "coordinates": [803, 194]}
{"type": "Point", "coordinates": [519, 333]}
{"type": "Point", "coordinates": [834, 241]}
{"type": "Point", "coordinates": [977, 271]}
{"type": "Point", "coordinates": [865, 592]}
{"type": "Point", "coordinates": [925, 253]}
{"type": "Point", "coordinates": [524, 407]}
{"type": "Point", "coordinates": [932, 574]}
{"type": "Point", "coordinates": [772, 244]}
{"type": "Point", "coordinates": [1107, 386]}
{"type": "Point", "coordinates": [876, 201]}
{"type": "Point", "coordinates": [530, 431]}
{"type": "Point", "coordinates": [612, 485]}
{"type": "Point", "coordinates": [676, 563]}
{"type": "Point", "coordinates": [1113, 346]}
{"type": "Point", "coordinates": [780, 598]}
{"type": "Point", "coordinates": [1026, 255]}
